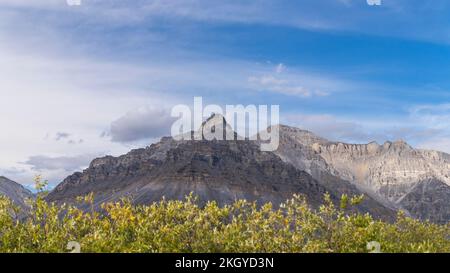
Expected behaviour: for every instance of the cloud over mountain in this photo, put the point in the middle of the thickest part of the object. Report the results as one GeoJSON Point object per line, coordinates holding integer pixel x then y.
{"type": "Point", "coordinates": [143, 123]}
{"type": "Point", "coordinates": [66, 163]}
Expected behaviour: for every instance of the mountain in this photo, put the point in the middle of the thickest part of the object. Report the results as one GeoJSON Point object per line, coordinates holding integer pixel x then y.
{"type": "Point", "coordinates": [394, 173]}
{"type": "Point", "coordinates": [428, 200]}
{"type": "Point", "coordinates": [14, 191]}
{"type": "Point", "coordinates": [213, 170]}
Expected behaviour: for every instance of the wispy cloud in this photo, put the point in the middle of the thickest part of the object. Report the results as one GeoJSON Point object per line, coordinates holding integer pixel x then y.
{"type": "Point", "coordinates": [393, 18]}
{"type": "Point", "coordinates": [65, 163]}
{"type": "Point", "coordinates": [426, 126]}
{"type": "Point", "coordinates": [53, 168]}
{"type": "Point", "coordinates": [273, 84]}
{"type": "Point", "coordinates": [434, 115]}
{"type": "Point", "coordinates": [296, 83]}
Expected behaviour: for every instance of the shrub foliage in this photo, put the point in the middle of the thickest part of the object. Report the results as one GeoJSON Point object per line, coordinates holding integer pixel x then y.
{"type": "Point", "coordinates": [184, 226]}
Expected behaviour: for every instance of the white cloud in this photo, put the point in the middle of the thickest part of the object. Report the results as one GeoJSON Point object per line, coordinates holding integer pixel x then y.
{"type": "Point", "coordinates": [364, 130]}
{"type": "Point", "coordinates": [295, 83]}
{"type": "Point", "coordinates": [267, 80]}
{"type": "Point", "coordinates": [440, 143]}
{"type": "Point", "coordinates": [63, 163]}
{"type": "Point", "coordinates": [435, 116]}
{"type": "Point", "coordinates": [144, 123]}
{"type": "Point", "coordinates": [329, 126]}
{"type": "Point", "coordinates": [298, 91]}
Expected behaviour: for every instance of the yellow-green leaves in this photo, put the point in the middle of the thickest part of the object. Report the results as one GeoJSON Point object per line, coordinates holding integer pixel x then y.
{"type": "Point", "coordinates": [40, 184]}
{"type": "Point", "coordinates": [186, 226]}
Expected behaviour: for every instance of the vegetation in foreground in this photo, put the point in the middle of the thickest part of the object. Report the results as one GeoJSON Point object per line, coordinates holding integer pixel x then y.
{"type": "Point", "coordinates": [184, 226]}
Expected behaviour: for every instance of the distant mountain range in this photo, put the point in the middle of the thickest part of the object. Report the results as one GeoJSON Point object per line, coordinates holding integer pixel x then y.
{"type": "Point", "coordinates": [393, 175]}
{"type": "Point", "coordinates": [16, 192]}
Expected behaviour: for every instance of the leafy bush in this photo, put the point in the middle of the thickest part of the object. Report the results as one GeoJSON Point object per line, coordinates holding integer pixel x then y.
{"type": "Point", "coordinates": [184, 226]}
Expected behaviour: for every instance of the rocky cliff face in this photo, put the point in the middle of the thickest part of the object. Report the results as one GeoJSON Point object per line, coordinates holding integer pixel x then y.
{"type": "Point", "coordinates": [391, 173]}
{"type": "Point", "coordinates": [428, 200]}
{"type": "Point", "coordinates": [223, 171]}
{"type": "Point", "coordinates": [386, 166]}
{"type": "Point", "coordinates": [14, 191]}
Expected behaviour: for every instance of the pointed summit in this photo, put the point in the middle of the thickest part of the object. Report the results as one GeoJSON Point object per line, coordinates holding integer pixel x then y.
{"type": "Point", "coordinates": [397, 145]}
{"type": "Point", "coordinates": [213, 128]}
{"type": "Point", "coordinates": [215, 119]}
{"type": "Point", "coordinates": [217, 128]}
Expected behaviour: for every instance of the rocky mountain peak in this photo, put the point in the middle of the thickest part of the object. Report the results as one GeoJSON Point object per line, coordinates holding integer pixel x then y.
{"type": "Point", "coordinates": [213, 170]}
{"type": "Point", "coordinates": [216, 128]}
{"type": "Point", "coordinates": [391, 174]}
{"type": "Point", "coordinates": [388, 172]}
{"type": "Point", "coordinates": [398, 145]}
{"type": "Point", "coordinates": [302, 136]}
{"type": "Point", "coordinates": [215, 118]}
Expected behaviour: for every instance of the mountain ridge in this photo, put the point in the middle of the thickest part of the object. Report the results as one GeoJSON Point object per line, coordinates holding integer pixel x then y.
{"type": "Point", "coordinates": [386, 173]}
{"type": "Point", "coordinates": [13, 190]}
{"type": "Point", "coordinates": [219, 170]}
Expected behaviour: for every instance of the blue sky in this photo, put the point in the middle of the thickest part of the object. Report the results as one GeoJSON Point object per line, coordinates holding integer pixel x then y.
{"type": "Point", "coordinates": [84, 81]}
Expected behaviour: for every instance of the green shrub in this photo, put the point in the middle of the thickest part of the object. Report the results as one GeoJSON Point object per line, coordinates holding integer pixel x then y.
{"type": "Point", "coordinates": [184, 226]}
